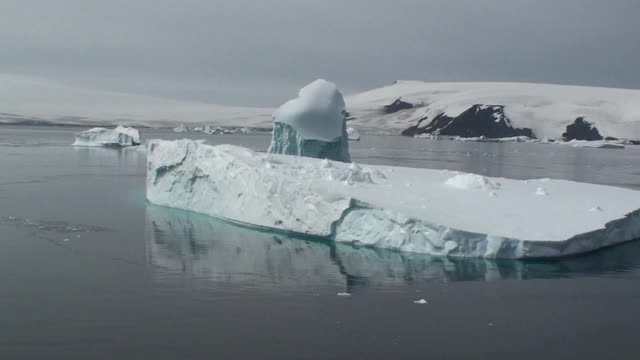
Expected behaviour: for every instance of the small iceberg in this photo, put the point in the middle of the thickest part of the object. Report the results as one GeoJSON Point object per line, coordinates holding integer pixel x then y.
{"type": "Point", "coordinates": [181, 129]}
{"type": "Point", "coordinates": [353, 134]}
{"type": "Point", "coordinates": [119, 137]}
{"type": "Point", "coordinates": [313, 124]}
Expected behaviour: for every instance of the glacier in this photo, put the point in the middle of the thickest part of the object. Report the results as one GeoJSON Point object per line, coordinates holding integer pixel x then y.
{"type": "Point", "coordinates": [119, 137]}
{"type": "Point", "coordinates": [313, 124]}
{"type": "Point", "coordinates": [415, 210]}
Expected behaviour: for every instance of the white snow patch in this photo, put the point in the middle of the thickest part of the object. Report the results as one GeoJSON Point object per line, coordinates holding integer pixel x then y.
{"type": "Point", "coordinates": [472, 182]}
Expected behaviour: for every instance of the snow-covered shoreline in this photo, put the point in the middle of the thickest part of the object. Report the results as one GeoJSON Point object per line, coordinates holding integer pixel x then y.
{"type": "Point", "coordinates": [417, 210]}
{"type": "Point", "coordinates": [601, 144]}
{"type": "Point", "coordinates": [544, 108]}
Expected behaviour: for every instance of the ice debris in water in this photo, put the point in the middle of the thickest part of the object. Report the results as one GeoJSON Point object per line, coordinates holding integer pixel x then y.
{"type": "Point", "coordinates": [343, 294]}
{"type": "Point", "coordinates": [472, 182]}
{"type": "Point", "coordinates": [421, 302]}
{"type": "Point", "coordinates": [596, 209]}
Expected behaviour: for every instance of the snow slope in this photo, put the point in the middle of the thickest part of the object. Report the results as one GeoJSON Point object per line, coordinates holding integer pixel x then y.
{"type": "Point", "coordinates": [25, 99]}
{"type": "Point", "coordinates": [546, 109]}
{"type": "Point", "coordinates": [448, 213]}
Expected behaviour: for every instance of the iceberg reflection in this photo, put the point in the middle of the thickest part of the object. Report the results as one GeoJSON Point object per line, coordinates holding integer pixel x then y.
{"type": "Point", "coordinates": [207, 248]}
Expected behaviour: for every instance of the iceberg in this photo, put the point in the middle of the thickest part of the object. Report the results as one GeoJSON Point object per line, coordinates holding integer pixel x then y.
{"type": "Point", "coordinates": [313, 124]}
{"type": "Point", "coordinates": [132, 132]}
{"type": "Point", "coordinates": [119, 137]}
{"type": "Point", "coordinates": [448, 213]}
{"type": "Point", "coordinates": [181, 129]}
{"type": "Point", "coordinates": [353, 134]}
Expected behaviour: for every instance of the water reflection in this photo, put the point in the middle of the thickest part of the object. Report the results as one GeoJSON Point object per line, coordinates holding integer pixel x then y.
{"type": "Point", "coordinates": [206, 248]}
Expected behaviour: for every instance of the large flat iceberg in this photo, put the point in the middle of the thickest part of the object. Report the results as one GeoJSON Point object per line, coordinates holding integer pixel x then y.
{"type": "Point", "coordinates": [417, 210]}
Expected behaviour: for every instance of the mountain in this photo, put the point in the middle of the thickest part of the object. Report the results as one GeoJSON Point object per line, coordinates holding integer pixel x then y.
{"type": "Point", "coordinates": [404, 107]}
{"type": "Point", "coordinates": [496, 110]}
{"type": "Point", "coordinates": [28, 100]}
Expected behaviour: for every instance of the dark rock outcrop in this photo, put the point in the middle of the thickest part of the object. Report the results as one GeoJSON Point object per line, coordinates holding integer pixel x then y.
{"type": "Point", "coordinates": [489, 121]}
{"type": "Point", "coordinates": [581, 130]}
{"type": "Point", "coordinates": [397, 106]}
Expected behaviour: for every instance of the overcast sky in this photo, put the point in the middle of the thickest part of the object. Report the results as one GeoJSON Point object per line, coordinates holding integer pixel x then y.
{"type": "Point", "coordinates": [259, 52]}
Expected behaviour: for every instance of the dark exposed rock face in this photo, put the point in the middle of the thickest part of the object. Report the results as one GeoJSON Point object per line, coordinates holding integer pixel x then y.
{"type": "Point", "coordinates": [581, 130]}
{"type": "Point", "coordinates": [397, 106]}
{"type": "Point", "coordinates": [489, 121]}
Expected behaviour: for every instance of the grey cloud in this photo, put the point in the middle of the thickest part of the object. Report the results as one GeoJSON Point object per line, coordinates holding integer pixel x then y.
{"type": "Point", "coordinates": [258, 52]}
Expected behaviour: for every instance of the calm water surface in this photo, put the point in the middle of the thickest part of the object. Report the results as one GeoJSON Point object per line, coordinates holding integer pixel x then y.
{"type": "Point", "coordinates": [89, 270]}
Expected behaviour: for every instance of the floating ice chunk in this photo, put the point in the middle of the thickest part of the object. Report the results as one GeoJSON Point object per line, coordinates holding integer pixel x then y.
{"type": "Point", "coordinates": [596, 209]}
{"type": "Point", "coordinates": [119, 137]}
{"type": "Point", "coordinates": [353, 134]}
{"type": "Point", "coordinates": [313, 124]}
{"type": "Point", "coordinates": [421, 302]}
{"type": "Point", "coordinates": [472, 182]}
{"type": "Point", "coordinates": [343, 294]}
